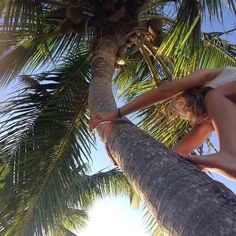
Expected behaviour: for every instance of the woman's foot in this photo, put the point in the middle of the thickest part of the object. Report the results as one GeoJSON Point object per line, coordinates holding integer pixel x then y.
{"type": "Point", "coordinates": [222, 162]}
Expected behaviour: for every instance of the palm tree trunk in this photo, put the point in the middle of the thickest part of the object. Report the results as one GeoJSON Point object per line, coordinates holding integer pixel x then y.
{"type": "Point", "coordinates": [184, 200]}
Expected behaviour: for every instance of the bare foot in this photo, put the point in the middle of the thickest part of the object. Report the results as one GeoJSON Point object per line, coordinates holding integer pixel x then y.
{"type": "Point", "coordinates": [222, 162]}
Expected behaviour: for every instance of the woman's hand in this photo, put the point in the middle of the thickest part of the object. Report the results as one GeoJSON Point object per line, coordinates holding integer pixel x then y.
{"type": "Point", "coordinates": [101, 117]}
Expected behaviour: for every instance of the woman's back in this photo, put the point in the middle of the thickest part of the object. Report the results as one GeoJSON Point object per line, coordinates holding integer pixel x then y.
{"type": "Point", "coordinates": [227, 75]}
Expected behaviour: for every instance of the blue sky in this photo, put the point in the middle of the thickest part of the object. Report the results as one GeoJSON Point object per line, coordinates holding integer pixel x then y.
{"type": "Point", "coordinates": [114, 216]}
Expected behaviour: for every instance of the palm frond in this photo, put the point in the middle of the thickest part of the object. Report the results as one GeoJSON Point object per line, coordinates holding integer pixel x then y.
{"type": "Point", "coordinates": [62, 231]}
{"type": "Point", "coordinates": [90, 188]}
{"type": "Point", "coordinates": [73, 220]}
{"type": "Point", "coordinates": [151, 68]}
{"type": "Point", "coordinates": [45, 137]}
{"type": "Point", "coordinates": [161, 61]}
{"type": "Point", "coordinates": [14, 60]}
{"type": "Point", "coordinates": [20, 15]}
{"type": "Point", "coordinates": [165, 128]}
{"type": "Point", "coordinates": [184, 39]}
{"type": "Point", "coordinates": [148, 6]}
{"type": "Point", "coordinates": [224, 52]}
{"type": "Point", "coordinates": [24, 50]}
{"type": "Point", "coordinates": [26, 16]}
{"type": "Point", "coordinates": [33, 54]}
{"type": "Point", "coordinates": [135, 78]}
{"type": "Point", "coordinates": [151, 224]}
{"type": "Point", "coordinates": [216, 8]}
{"type": "Point", "coordinates": [8, 40]}
{"type": "Point", "coordinates": [47, 146]}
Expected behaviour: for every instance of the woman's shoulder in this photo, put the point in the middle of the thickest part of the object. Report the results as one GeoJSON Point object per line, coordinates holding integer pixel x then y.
{"type": "Point", "coordinates": [221, 76]}
{"type": "Point", "coordinates": [230, 68]}
{"type": "Point", "coordinates": [213, 73]}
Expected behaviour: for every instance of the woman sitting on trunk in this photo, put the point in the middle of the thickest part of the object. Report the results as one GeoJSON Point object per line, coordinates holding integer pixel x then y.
{"type": "Point", "coordinates": [207, 97]}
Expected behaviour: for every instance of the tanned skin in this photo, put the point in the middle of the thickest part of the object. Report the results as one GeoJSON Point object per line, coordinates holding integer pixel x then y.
{"type": "Point", "coordinates": [223, 162]}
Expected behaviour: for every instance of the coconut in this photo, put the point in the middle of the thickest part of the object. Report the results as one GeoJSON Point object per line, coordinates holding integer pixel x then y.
{"type": "Point", "coordinates": [80, 28]}
{"type": "Point", "coordinates": [66, 27]}
{"type": "Point", "coordinates": [155, 25]}
{"type": "Point", "coordinates": [75, 14]}
{"type": "Point", "coordinates": [159, 39]}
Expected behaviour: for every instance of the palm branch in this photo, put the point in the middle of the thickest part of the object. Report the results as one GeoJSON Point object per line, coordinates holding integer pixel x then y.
{"type": "Point", "coordinates": [47, 146]}
{"type": "Point", "coordinates": [45, 143]}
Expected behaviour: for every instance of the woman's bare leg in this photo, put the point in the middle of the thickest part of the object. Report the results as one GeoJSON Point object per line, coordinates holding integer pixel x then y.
{"type": "Point", "coordinates": [221, 108]}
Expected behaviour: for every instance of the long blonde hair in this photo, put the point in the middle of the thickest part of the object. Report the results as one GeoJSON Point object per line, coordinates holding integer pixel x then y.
{"type": "Point", "coordinates": [190, 105]}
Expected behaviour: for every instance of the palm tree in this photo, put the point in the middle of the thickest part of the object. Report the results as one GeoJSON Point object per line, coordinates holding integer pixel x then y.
{"type": "Point", "coordinates": [45, 154]}
{"type": "Point", "coordinates": [45, 139]}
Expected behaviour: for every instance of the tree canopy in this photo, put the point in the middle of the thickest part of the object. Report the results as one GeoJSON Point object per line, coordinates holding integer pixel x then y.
{"type": "Point", "coordinates": [46, 49]}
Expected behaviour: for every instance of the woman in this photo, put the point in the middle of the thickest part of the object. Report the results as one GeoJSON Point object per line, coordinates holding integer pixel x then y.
{"type": "Point", "coordinates": [219, 115]}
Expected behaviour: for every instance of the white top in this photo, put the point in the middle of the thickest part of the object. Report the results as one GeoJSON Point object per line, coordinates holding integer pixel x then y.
{"type": "Point", "coordinates": [227, 75]}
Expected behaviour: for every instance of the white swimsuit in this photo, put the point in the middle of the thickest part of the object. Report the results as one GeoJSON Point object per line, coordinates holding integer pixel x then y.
{"type": "Point", "coordinates": [227, 75]}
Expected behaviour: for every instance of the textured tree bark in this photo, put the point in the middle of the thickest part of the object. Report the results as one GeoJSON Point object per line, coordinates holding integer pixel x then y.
{"type": "Point", "coordinates": [184, 200]}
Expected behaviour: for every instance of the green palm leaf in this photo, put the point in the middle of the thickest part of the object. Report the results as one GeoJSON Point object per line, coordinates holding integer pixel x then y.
{"type": "Point", "coordinates": [34, 54]}
{"type": "Point", "coordinates": [60, 143]}
{"type": "Point", "coordinates": [216, 8]}
{"type": "Point", "coordinates": [20, 13]}
{"type": "Point", "coordinates": [224, 53]}
{"type": "Point", "coordinates": [151, 224]}
{"type": "Point", "coordinates": [45, 145]}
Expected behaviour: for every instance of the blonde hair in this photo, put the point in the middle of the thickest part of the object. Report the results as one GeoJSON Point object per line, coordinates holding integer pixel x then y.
{"type": "Point", "coordinates": [190, 105]}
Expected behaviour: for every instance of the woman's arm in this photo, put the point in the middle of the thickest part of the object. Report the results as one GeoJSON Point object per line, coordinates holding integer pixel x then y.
{"type": "Point", "coordinates": [193, 139]}
{"type": "Point", "coordinates": [169, 90]}
{"type": "Point", "coordinates": [158, 94]}
{"type": "Point", "coordinates": [144, 100]}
